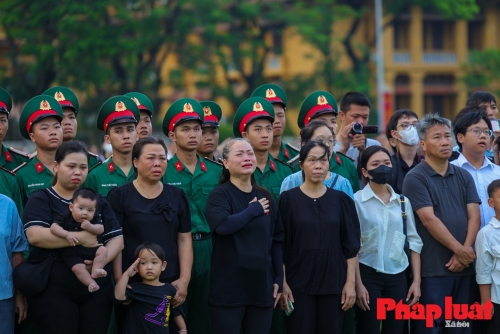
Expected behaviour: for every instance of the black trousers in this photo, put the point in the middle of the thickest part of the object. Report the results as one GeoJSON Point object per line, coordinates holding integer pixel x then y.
{"type": "Point", "coordinates": [250, 319]}
{"type": "Point", "coordinates": [494, 323]}
{"type": "Point", "coordinates": [57, 311]}
{"type": "Point", "coordinates": [380, 285]}
{"type": "Point", "coordinates": [315, 314]}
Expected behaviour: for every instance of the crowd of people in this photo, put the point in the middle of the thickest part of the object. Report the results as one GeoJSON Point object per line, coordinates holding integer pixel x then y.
{"type": "Point", "coordinates": [267, 238]}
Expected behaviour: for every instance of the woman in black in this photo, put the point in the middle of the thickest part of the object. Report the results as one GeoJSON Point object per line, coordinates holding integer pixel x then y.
{"type": "Point", "coordinates": [321, 243]}
{"type": "Point", "coordinates": [247, 266]}
{"type": "Point", "coordinates": [66, 305]}
{"type": "Point", "coordinates": [151, 211]}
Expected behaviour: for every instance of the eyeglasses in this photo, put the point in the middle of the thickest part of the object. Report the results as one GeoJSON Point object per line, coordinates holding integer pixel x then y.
{"type": "Point", "coordinates": [477, 132]}
{"type": "Point", "coordinates": [329, 142]}
{"type": "Point", "coordinates": [407, 125]}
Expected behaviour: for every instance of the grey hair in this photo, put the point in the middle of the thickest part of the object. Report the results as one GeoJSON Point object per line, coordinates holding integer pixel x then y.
{"type": "Point", "coordinates": [429, 121]}
{"type": "Point", "coordinates": [227, 147]}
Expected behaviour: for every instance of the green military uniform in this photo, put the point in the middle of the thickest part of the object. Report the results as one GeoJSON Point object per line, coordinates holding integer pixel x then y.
{"type": "Point", "coordinates": [10, 188]}
{"type": "Point", "coordinates": [117, 110]}
{"type": "Point", "coordinates": [319, 103]}
{"type": "Point", "coordinates": [273, 174]}
{"type": "Point", "coordinates": [197, 186]}
{"type": "Point", "coordinates": [68, 99]}
{"type": "Point", "coordinates": [276, 95]}
{"type": "Point", "coordinates": [34, 175]}
{"type": "Point", "coordinates": [10, 158]}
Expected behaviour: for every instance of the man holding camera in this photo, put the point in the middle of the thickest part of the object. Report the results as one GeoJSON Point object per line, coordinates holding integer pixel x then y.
{"type": "Point", "coordinates": [354, 114]}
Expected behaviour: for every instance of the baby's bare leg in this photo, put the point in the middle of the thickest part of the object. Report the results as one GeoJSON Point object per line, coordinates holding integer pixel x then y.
{"type": "Point", "coordinates": [101, 256]}
{"type": "Point", "coordinates": [83, 275]}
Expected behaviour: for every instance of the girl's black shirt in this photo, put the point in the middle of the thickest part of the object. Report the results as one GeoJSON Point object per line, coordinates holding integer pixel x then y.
{"type": "Point", "coordinates": [156, 220]}
{"type": "Point", "coordinates": [43, 208]}
{"type": "Point", "coordinates": [320, 235]}
{"type": "Point", "coordinates": [243, 269]}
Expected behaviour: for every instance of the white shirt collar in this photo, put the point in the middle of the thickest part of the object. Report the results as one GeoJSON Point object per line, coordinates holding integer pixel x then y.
{"type": "Point", "coordinates": [494, 222]}
{"type": "Point", "coordinates": [368, 193]}
{"type": "Point", "coordinates": [462, 160]}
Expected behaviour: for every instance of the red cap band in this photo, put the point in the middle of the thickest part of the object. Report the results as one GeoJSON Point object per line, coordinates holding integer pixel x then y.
{"type": "Point", "coordinates": [251, 115]}
{"type": "Point", "coordinates": [3, 105]}
{"type": "Point", "coordinates": [274, 99]}
{"type": "Point", "coordinates": [312, 112]}
{"type": "Point", "coordinates": [180, 116]}
{"type": "Point", "coordinates": [116, 114]}
{"type": "Point", "coordinates": [211, 119]}
{"type": "Point", "coordinates": [37, 114]}
{"type": "Point", "coordinates": [66, 103]}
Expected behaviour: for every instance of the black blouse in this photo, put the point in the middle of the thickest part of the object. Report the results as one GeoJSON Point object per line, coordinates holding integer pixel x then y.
{"type": "Point", "coordinates": [43, 208]}
{"type": "Point", "coordinates": [320, 235]}
{"type": "Point", "coordinates": [156, 220]}
{"type": "Point", "coordinates": [244, 262]}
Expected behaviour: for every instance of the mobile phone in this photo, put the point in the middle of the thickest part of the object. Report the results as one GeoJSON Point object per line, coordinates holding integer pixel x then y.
{"type": "Point", "coordinates": [290, 306]}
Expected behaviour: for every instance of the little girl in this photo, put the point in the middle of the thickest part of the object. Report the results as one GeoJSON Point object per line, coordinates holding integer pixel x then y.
{"type": "Point", "coordinates": [150, 308]}
{"type": "Point", "coordinates": [82, 209]}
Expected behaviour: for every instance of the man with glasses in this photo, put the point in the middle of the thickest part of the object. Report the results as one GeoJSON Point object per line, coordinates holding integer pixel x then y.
{"type": "Point", "coordinates": [473, 132]}
{"type": "Point", "coordinates": [401, 131]}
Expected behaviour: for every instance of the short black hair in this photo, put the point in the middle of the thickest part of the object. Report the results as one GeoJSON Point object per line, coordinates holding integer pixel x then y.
{"type": "Point", "coordinates": [480, 97]}
{"type": "Point", "coordinates": [152, 248]}
{"type": "Point", "coordinates": [393, 122]}
{"type": "Point", "coordinates": [494, 186]}
{"type": "Point", "coordinates": [356, 98]}
{"type": "Point", "coordinates": [84, 193]}
{"type": "Point", "coordinates": [367, 154]}
{"type": "Point", "coordinates": [469, 116]}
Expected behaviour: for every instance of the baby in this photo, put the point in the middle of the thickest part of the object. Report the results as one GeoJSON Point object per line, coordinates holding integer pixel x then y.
{"type": "Point", "coordinates": [82, 210]}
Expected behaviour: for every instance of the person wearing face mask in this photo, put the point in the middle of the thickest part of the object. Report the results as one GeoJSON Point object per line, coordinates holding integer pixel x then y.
{"type": "Point", "coordinates": [382, 256]}
{"type": "Point", "coordinates": [402, 132]}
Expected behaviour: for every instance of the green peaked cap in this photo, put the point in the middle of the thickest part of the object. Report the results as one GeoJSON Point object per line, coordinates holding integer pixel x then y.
{"type": "Point", "coordinates": [212, 113]}
{"type": "Point", "coordinates": [143, 102]}
{"type": "Point", "coordinates": [65, 97]}
{"type": "Point", "coordinates": [185, 109]}
{"type": "Point", "coordinates": [271, 92]}
{"type": "Point", "coordinates": [250, 110]}
{"type": "Point", "coordinates": [116, 110]}
{"type": "Point", "coordinates": [5, 101]}
{"type": "Point", "coordinates": [36, 109]}
{"type": "Point", "coordinates": [317, 103]}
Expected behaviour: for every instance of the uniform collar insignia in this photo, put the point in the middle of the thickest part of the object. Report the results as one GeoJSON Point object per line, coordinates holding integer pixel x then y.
{"type": "Point", "coordinates": [111, 167]}
{"type": "Point", "coordinates": [8, 157]}
{"type": "Point", "coordinates": [203, 166]}
{"type": "Point", "coordinates": [178, 166]}
{"type": "Point", "coordinates": [39, 167]}
{"type": "Point", "coordinates": [338, 159]}
{"type": "Point", "coordinates": [272, 165]}
{"type": "Point", "coordinates": [287, 155]}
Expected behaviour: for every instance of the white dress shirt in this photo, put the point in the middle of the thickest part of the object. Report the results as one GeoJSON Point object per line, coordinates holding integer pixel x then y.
{"type": "Point", "coordinates": [488, 258]}
{"type": "Point", "coordinates": [382, 237]}
{"type": "Point", "coordinates": [483, 176]}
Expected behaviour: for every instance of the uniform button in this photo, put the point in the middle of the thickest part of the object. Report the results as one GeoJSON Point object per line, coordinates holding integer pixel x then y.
{"type": "Point", "coordinates": [315, 200]}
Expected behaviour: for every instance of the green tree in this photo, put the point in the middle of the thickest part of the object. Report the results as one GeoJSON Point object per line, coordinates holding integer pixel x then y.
{"type": "Point", "coordinates": [483, 71]}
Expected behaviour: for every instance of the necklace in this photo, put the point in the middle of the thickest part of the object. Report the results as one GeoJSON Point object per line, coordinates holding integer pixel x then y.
{"type": "Point", "coordinates": [143, 191]}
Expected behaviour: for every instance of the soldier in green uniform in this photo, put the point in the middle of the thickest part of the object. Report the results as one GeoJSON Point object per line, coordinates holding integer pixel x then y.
{"type": "Point", "coordinates": [276, 95]}
{"type": "Point", "coordinates": [70, 106]}
{"type": "Point", "coordinates": [322, 106]}
{"type": "Point", "coordinates": [10, 158]}
{"type": "Point", "coordinates": [10, 188]}
{"type": "Point", "coordinates": [254, 121]}
{"type": "Point", "coordinates": [117, 118]}
{"type": "Point", "coordinates": [145, 124]}
{"type": "Point", "coordinates": [40, 122]}
{"type": "Point", "coordinates": [209, 129]}
{"type": "Point", "coordinates": [197, 177]}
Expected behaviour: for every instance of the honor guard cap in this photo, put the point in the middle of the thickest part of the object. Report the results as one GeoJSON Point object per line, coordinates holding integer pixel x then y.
{"type": "Point", "coordinates": [271, 92]}
{"type": "Point", "coordinates": [5, 101]}
{"type": "Point", "coordinates": [65, 97]}
{"type": "Point", "coordinates": [250, 110]}
{"type": "Point", "coordinates": [212, 114]}
{"type": "Point", "coordinates": [182, 110]}
{"type": "Point", "coordinates": [36, 109]}
{"type": "Point", "coordinates": [143, 102]}
{"type": "Point", "coordinates": [317, 103]}
{"type": "Point", "coordinates": [116, 110]}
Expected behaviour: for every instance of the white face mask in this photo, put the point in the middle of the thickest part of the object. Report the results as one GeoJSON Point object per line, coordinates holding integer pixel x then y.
{"type": "Point", "coordinates": [409, 136]}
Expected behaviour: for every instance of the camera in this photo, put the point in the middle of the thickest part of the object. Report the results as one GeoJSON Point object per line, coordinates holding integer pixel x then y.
{"type": "Point", "coordinates": [358, 128]}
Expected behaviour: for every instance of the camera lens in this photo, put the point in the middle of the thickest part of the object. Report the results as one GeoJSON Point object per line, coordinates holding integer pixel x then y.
{"type": "Point", "coordinates": [357, 128]}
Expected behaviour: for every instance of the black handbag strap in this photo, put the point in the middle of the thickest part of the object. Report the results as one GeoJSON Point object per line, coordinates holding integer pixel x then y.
{"type": "Point", "coordinates": [334, 181]}
{"type": "Point", "coordinates": [403, 212]}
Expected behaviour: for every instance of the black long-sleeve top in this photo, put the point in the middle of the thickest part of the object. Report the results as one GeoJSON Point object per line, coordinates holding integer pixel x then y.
{"type": "Point", "coordinates": [247, 248]}
{"type": "Point", "coordinates": [321, 234]}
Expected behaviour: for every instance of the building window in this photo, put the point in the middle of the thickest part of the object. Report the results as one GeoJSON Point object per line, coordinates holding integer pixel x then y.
{"type": "Point", "coordinates": [402, 35]}
{"type": "Point", "coordinates": [402, 93]}
{"type": "Point", "coordinates": [475, 35]}
{"type": "Point", "coordinates": [439, 35]}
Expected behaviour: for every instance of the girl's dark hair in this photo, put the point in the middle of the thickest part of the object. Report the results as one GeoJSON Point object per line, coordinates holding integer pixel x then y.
{"type": "Point", "coordinates": [226, 175]}
{"type": "Point", "coordinates": [308, 146]}
{"type": "Point", "coordinates": [152, 248]}
{"type": "Point", "coordinates": [367, 154]}
{"type": "Point", "coordinates": [307, 132]}
{"type": "Point", "coordinates": [66, 149]}
{"type": "Point", "coordinates": [139, 147]}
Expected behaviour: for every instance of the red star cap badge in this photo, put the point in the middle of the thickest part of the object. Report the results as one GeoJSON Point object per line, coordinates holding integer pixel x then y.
{"type": "Point", "coordinates": [8, 157]}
